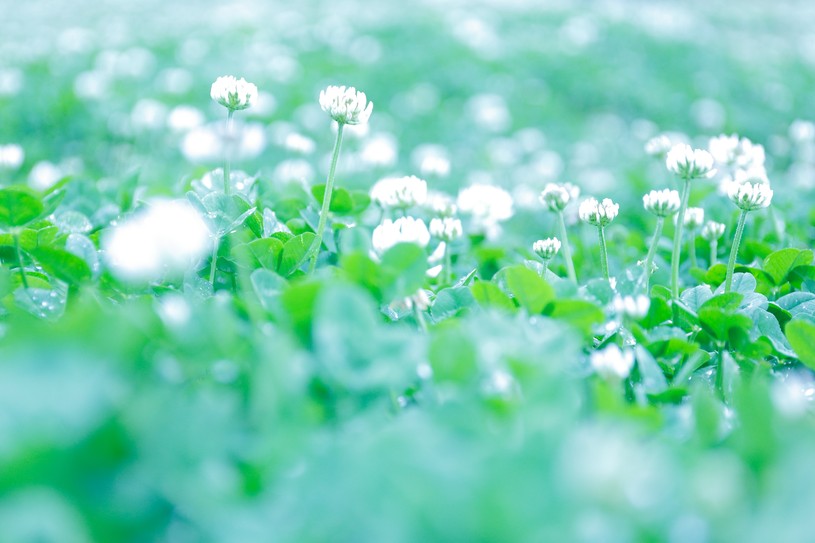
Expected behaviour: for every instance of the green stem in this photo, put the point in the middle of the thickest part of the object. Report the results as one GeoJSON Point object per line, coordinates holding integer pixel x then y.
{"type": "Point", "coordinates": [714, 246]}
{"type": "Point", "coordinates": [567, 251]}
{"type": "Point", "coordinates": [419, 317]}
{"type": "Point", "coordinates": [680, 222]}
{"type": "Point", "coordinates": [692, 249]}
{"type": "Point", "coordinates": [213, 264]}
{"type": "Point", "coordinates": [228, 151]}
{"type": "Point", "coordinates": [19, 252]}
{"type": "Point", "coordinates": [448, 263]}
{"type": "Point", "coordinates": [545, 267]}
{"type": "Point", "coordinates": [649, 260]}
{"type": "Point", "coordinates": [329, 187]}
{"type": "Point", "coordinates": [734, 250]}
{"type": "Point", "coordinates": [603, 252]}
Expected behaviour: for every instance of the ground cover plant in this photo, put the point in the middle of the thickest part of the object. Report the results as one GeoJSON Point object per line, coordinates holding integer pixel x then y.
{"type": "Point", "coordinates": [303, 273]}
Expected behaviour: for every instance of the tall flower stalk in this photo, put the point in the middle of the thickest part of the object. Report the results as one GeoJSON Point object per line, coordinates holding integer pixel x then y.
{"type": "Point", "coordinates": [712, 231]}
{"type": "Point", "coordinates": [600, 214]}
{"type": "Point", "coordinates": [446, 229]}
{"type": "Point", "coordinates": [556, 197]}
{"type": "Point", "coordinates": [687, 164]}
{"type": "Point", "coordinates": [748, 197]}
{"type": "Point", "coordinates": [235, 95]}
{"type": "Point", "coordinates": [345, 105]}
{"type": "Point", "coordinates": [661, 203]}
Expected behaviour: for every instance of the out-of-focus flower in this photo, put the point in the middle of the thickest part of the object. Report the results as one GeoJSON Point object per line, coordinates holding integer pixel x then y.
{"type": "Point", "coordinates": [184, 118]}
{"type": "Point", "coordinates": [446, 229]}
{"type": "Point", "coordinates": [689, 163]}
{"type": "Point", "coordinates": [441, 204]}
{"type": "Point", "coordinates": [399, 192]}
{"type": "Point", "coordinates": [546, 248]}
{"type": "Point", "coordinates": [380, 150]}
{"type": "Point", "coordinates": [487, 204]}
{"type": "Point", "coordinates": [635, 307]}
{"type": "Point", "coordinates": [234, 94]}
{"type": "Point", "coordinates": [346, 105]}
{"type": "Point", "coordinates": [735, 152]}
{"type": "Point", "coordinates": [167, 237]}
{"type": "Point", "coordinates": [750, 196]}
{"type": "Point", "coordinates": [556, 196]}
{"type": "Point", "coordinates": [44, 174]}
{"type": "Point", "coordinates": [662, 203]}
{"type": "Point", "coordinates": [11, 156]}
{"type": "Point", "coordinates": [612, 362]}
{"type": "Point", "coordinates": [802, 131]}
{"type": "Point", "coordinates": [658, 145]}
{"type": "Point", "coordinates": [694, 218]}
{"type": "Point", "coordinates": [402, 230]}
{"type": "Point", "coordinates": [598, 213]}
{"type": "Point", "coordinates": [712, 230]}
{"type": "Point", "coordinates": [299, 143]}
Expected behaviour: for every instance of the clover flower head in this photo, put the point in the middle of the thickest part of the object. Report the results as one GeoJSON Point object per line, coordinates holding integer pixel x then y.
{"type": "Point", "coordinates": [546, 248]}
{"type": "Point", "coordinates": [11, 156]}
{"type": "Point", "coordinates": [662, 203]}
{"type": "Point", "coordinates": [689, 163]}
{"type": "Point", "coordinates": [750, 196]}
{"type": "Point", "coordinates": [556, 196]}
{"type": "Point", "coordinates": [402, 230]}
{"type": "Point", "coordinates": [346, 105]}
{"type": "Point", "coordinates": [234, 94]}
{"type": "Point", "coordinates": [694, 218]}
{"type": "Point", "coordinates": [712, 230]}
{"type": "Point", "coordinates": [598, 213]}
{"type": "Point", "coordinates": [612, 362]}
{"type": "Point", "coordinates": [735, 152]}
{"type": "Point", "coordinates": [658, 145]}
{"type": "Point", "coordinates": [487, 204]}
{"type": "Point", "coordinates": [635, 307]}
{"type": "Point", "coordinates": [446, 228]}
{"type": "Point", "coordinates": [399, 192]}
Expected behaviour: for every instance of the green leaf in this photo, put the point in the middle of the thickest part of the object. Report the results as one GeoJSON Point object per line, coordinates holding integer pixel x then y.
{"type": "Point", "coordinates": [766, 325]}
{"type": "Point", "coordinates": [62, 264]}
{"type": "Point", "coordinates": [341, 203]}
{"type": "Point", "coordinates": [403, 270]}
{"type": "Point", "coordinates": [581, 314]}
{"type": "Point", "coordinates": [653, 380]}
{"type": "Point", "coordinates": [267, 286]}
{"type": "Point", "coordinates": [360, 269]}
{"type": "Point", "coordinates": [450, 301]}
{"type": "Point", "coordinates": [800, 334]}
{"type": "Point", "coordinates": [267, 251]}
{"type": "Point", "coordinates": [696, 296]}
{"type": "Point", "coordinates": [489, 295]}
{"type": "Point", "coordinates": [529, 289]}
{"type": "Point", "coordinates": [726, 302]}
{"type": "Point", "coordinates": [718, 322]}
{"type": "Point", "coordinates": [798, 303]}
{"type": "Point", "coordinates": [297, 302]}
{"type": "Point", "coordinates": [780, 263]}
{"type": "Point", "coordinates": [293, 252]}
{"type": "Point", "coordinates": [18, 207]}
{"type": "Point", "coordinates": [744, 283]}
{"type": "Point", "coordinates": [453, 356]}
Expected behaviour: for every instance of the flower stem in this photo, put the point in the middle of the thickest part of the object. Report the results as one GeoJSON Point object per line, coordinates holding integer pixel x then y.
{"type": "Point", "coordinates": [649, 260]}
{"type": "Point", "coordinates": [228, 151]}
{"type": "Point", "coordinates": [545, 267]}
{"type": "Point", "coordinates": [213, 264]}
{"type": "Point", "coordinates": [692, 249]}
{"type": "Point", "coordinates": [603, 252]}
{"type": "Point", "coordinates": [329, 187]}
{"type": "Point", "coordinates": [419, 318]}
{"type": "Point", "coordinates": [734, 250]}
{"type": "Point", "coordinates": [448, 264]}
{"type": "Point", "coordinates": [567, 251]}
{"type": "Point", "coordinates": [19, 252]}
{"type": "Point", "coordinates": [680, 222]}
{"type": "Point", "coordinates": [714, 248]}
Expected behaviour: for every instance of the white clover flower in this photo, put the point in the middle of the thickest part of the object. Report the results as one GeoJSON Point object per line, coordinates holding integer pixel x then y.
{"type": "Point", "coordinates": [689, 163]}
{"type": "Point", "coordinates": [598, 213]}
{"type": "Point", "coordinates": [234, 94]}
{"type": "Point", "coordinates": [802, 131]}
{"type": "Point", "coordinates": [435, 165]}
{"type": "Point", "coordinates": [658, 145]}
{"type": "Point", "coordinates": [735, 152]}
{"type": "Point", "coordinates": [381, 150]}
{"type": "Point", "coordinates": [662, 203]}
{"type": "Point", "coordinates": [11, 156]}
{"type": "Point", "coordinates": [487, 204]}
{"type": "Point", "coordinates": [399, 192]}
{"type": "Point", "coordinates": [546, 248]}
{"type": "Point", "coordinates": [446, 229]}
{"type": "Point", "coordinates": [712, 230]}
{"type": "Point", "coordinates": [402, 230]}
{"type": "Point", "coordinates": [635, 307]}
{"type": "Point", "coordinates": [694, 218]}
{"type": "Point", "coordinates": [346, 105]}
{"type": "Point", "coordinates": [750, 196]}
{"type": "Point", "coordinates": [167, 237]}
{"type": "Point", "coordinates": [555, 196]}
{"type": "Point", "coordinates": [612, 362]}
{"type": "Point", "coordinates": [441, 204]}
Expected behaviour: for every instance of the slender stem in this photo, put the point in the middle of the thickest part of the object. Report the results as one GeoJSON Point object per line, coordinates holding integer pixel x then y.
{"type": "Point", "coordinates": [545, 267]}
{"type": "Point", "coordinates": [329, 187]}
{"type": "Point", "coordinates": [692, 249]}
{"type": "Point", "coordinates": [714, 248]}
{"type": "Point", "coordinates": [19, 252]}
{"type": "Point", "coordinates": [649, 260]}
{"type": "Point", "coordinates": [419, 317]}
{"type": "Point", "coordinates": [448, 264]}
{"type": "Point", "coordinates": [680, 222]}
{"type": "Point", "coordinates": [213, 264]}
{"type": "Point", "coordinates": [228, 151]}
{"type": "Point", "coordinates": [567, 251]}
{"type": "Point", "coordinates": [603, 252]}
{"type": "Point", "coordinates": [734, 250]}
